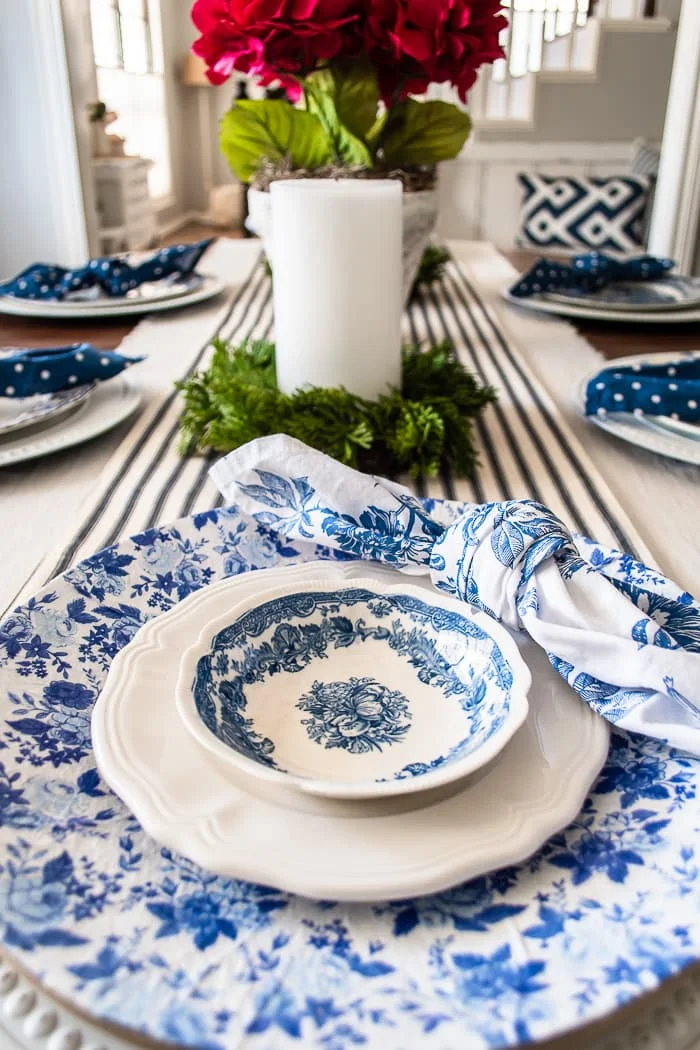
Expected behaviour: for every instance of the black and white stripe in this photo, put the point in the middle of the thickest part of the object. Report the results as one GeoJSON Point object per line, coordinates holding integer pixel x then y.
{"type": "Point", "coordinates": [526, 449]}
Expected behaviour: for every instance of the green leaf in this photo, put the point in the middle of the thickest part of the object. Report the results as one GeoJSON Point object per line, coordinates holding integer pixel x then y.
{"type": "Point", "coordinates": [254, 130]}
{"type": "Point", "coordinates": [347, 149]}
{"type": "Point", "coordinates": [356, 96]}
{"type": "Point", "coordinates": [424, 133]}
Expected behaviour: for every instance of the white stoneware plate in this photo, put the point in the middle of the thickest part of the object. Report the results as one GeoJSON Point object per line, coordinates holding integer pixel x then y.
{"type": "Point", "coordinates": [150, 291]}
{"type": "Point", "coordinates": [206, 289]}
{"type": "Point", "coordinates": [675, 426]}
{"type": "Point", "coordinates": [671, 293]}
{"type": "Point", "coordinates": [327, 848]}
{"type": "Point", "coordinates": [19, 413]}
{"type": "Point", "coordinates": [366, 690]}
{"type": "Point", "coordinates": [656, 434]}
{"type": "Point", "coordinates": [112, 402]}
{"type": "Point", "coordinates": [539, 304]}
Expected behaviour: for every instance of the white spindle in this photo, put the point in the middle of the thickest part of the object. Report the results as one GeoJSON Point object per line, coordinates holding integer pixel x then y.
{"type": "Point", "coordinates": [554, 35]}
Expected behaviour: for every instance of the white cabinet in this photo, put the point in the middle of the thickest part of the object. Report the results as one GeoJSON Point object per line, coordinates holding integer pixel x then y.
{"type": "Point", "coordinates": [124, 204]}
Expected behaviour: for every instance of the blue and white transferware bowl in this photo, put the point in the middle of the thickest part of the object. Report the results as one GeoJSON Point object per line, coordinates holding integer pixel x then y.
{"type": "Point", "coordinates": [354, 692]}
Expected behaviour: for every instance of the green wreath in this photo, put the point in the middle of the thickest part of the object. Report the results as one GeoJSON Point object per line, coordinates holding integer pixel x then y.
{"type": "Point", "coordinates": [420, 429]}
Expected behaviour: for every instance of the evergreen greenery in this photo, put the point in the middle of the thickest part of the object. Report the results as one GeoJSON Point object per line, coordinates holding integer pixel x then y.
{"type": "Point", "coordinates": [431, 269]}
{"type": "Point", "coordinates": [424, 427]}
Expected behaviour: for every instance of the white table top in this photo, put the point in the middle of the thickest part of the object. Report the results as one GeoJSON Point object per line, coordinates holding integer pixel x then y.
{"type": "Point", "coordinates": [41, 503]}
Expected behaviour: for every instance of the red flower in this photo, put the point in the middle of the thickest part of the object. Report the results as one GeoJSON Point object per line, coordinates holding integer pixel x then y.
{"type": "Point", "coordinates": [415, 43]}
{"type": "Point", "coordinates": [273, 39]}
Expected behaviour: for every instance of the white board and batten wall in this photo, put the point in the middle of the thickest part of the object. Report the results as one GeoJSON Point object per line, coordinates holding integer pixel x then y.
{"type": "Point", "coordinates": [480, 196]}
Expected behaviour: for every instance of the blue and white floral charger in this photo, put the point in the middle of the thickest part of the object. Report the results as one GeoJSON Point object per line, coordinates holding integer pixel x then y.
{"type": "Point", "coordinates": [131, 933]}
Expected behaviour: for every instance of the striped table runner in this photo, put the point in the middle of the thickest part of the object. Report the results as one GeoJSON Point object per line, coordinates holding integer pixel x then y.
{"type": "Point", "coordinates": [526, 448]}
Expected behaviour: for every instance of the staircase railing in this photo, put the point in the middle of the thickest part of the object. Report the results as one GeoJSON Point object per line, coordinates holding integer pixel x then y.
{"type": "Point", "coordinates": [552, 35]}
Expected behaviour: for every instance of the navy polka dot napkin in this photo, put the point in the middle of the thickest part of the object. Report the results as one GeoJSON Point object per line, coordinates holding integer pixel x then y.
{"type": "Point", "coordinates": [30, 372]}
{"type": "Point", "coordinates": [651, 390]}
{"type": "Point", "coordinates": [588, 273]}
{"type": "Point", "coordinates": [114, 275]}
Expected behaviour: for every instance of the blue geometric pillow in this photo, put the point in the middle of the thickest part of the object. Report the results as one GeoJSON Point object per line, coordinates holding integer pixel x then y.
{"type": "Point", "coordinates": [569, 213]}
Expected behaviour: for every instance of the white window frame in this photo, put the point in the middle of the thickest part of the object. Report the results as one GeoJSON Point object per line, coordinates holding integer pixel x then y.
{"type": "Point", "coordinates": [166, 200]}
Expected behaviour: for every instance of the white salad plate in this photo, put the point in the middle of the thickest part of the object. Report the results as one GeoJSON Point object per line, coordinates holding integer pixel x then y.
{"type": "Point", "coordinates": [171, 287]}
{"type": "Point", "coordinates": [671, 293]}
{"type": "Point", "coordinates": [170, 298]}
{"type": "Point", "coordinates": [366, 690]}
{"type": "Point", "coordinates": [326, 848]}
{"type": "Point", "coordinates": [19, 413]}
{"type": "Point", "coordinates": [675, 426]}
{"type": "Point", "coordinates": [543, 305]}
{"type": "Point", "coordinates": [660, 434]}
{"type": "Point", "coordinates": [113, 401]}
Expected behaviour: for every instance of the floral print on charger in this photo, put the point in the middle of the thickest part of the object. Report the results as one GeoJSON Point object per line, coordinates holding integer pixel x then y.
{"type": "Point", "coordinates": [132, 933]}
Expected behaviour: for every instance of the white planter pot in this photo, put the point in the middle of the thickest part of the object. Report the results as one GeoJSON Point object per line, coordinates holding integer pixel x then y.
{"type": "Point", "coordinates": [420, 217]}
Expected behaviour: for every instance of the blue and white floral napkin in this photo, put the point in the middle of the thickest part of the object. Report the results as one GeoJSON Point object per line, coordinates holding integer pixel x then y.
{"type": "Point", "coordinates": [651, 390]}
{"type": "Point", "coordinates": [588, 273]}
{"type": "Point", "coordinates": [114, 276]}
{"type": "Point", "coordinates": [29, 372]}
{"type": "Point", "coordinates": [514, 560]}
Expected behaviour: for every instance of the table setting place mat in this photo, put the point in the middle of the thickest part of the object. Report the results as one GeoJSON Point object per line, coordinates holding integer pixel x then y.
{"type": "Point", "coordinates": [135, 934]}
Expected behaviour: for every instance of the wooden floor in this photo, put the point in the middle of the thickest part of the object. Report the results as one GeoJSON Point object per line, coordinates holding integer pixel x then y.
{"type": "Point", "coordinates": [197, 231]}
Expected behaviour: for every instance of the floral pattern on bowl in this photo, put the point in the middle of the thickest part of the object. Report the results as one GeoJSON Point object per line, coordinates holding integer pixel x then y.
{"type": "Point", "coordinates": [355, 692]}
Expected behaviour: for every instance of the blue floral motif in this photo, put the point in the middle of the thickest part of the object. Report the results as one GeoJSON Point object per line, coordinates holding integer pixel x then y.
{"type": "Point", "coordinates": [59, 724]}
{"type": "Point", "coordinates": [137, 935]}
{"type": "Point", "coordinates": [359, 715]}
{"type": "Point", "coordinates": [490, 556]}
{"type": "Point", "coordinates": [286, 635]}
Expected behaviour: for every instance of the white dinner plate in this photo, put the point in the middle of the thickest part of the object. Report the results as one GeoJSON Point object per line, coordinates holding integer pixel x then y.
{"type": "Point", "coordinates": [675, 426]}
{"type": "Point", "coordinates": [671, 293]}
{"type": "Point", "coordinates": [123, 307]}
{"type": "Point", "coordinates": [658, 434]}
{"type": "Point", "coordinates": [172, 287]}
{"type": "Point", "coordinates": [324, 848]}
{"type": "Point", "coordinates": [113, 401]}
{"type": "Point", "coordinates": [20, 413]}
{"type": "Point", "coordinates": [539, 304]}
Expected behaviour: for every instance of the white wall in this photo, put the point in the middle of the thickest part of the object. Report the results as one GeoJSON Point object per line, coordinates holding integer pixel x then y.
{"type": "Point", "coordinates": [480, 197]}
{"type": "Point", "coordinates": [41, 206]}
{"type": "Point", "coordinates": [626, 99]}
{"type": "Point", "coordinates": [84, 93]}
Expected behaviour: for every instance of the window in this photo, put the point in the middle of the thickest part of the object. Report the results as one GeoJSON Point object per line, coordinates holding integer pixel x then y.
{"type": "Point", "coordinates": [128, 46]}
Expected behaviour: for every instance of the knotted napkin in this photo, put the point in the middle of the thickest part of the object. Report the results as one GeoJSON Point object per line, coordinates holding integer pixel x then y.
{"type": "Point", "coordinates": [114, 276]}
{"type": "Point", "coordinates": [654, 390]}
{"type": "Point", "coordinates": [29, 372]}
{"type": "Point", "coordinates": [631, 649]}
{"type": "Point", "coordinates": [588, 273]}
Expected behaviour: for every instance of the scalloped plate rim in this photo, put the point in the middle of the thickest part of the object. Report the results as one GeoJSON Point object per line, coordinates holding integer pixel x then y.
{"type": "Point", "coordinates": [204, 838]}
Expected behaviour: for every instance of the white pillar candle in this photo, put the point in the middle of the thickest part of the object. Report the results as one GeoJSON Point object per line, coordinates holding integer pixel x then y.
{"type": "Point", "coordinates": [336, 253]}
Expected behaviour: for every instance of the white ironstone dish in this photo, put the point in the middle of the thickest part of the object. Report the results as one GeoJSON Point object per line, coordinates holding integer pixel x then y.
{"type": "Point", "coordinates": [204, 288]}
{"type": "Point", "coordinates": [327, 848]}
{"type": "Point", "coordinates": [110, 403]}
{"type": "Point", "coordinates": [670, 293]}
{"type": "Point", "coordinates": [19, 413]}
{"type": "Point", "coordinates": [360, 691]}
{"type": "Point", "coordinates": [540, 304]}
{"type": "Point", "coordinates": [660, 434]}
